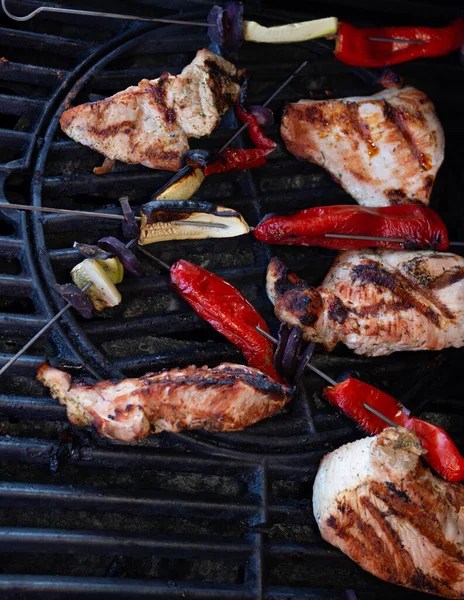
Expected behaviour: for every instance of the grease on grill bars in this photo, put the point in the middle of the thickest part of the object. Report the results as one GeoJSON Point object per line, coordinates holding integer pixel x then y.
{"type": "Point", "coordinates": [197, 515]}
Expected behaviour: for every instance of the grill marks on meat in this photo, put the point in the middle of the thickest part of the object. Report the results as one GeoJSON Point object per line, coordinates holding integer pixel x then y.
{"type": "Point", "coordinates": [383, 149]}
{"type": "Point", "coordinates": [377, 502]}
{"type": "Point", "coordinates": [150, 123]}
{"type": "Point", "coordinates": [229, 397]}
{"type": "Point", "coordinates": [377, 302]}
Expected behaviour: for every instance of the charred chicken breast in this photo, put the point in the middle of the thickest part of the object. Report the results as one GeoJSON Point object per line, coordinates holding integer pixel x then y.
{"type": "Point", "coordinates": [229, 397]}
{"type": "Point", "coordinates": [150, 123]}
{"type": "Point", "coordinates": [377, 302]}
{"type": "Point", "coordinates": [383, 149]}
{"type": "Point", "coordinates": [376, 501]}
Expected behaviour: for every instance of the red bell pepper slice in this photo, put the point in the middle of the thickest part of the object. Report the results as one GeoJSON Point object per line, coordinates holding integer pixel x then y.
{"type": "Point", "coordinates": [442, 454]}
{"type": "Point", "coordinates": [237, 158]}
{"type": "Point", "coordinates": [228, 311]}
{"type": "Point", "coordinates": [354, 46]}
{"type": "Point", "coordinates": [419, 226]}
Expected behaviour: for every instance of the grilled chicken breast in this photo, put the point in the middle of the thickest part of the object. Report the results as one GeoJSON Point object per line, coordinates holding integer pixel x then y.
{"type": "Point", "coordinates": [150, 123]}
{"type": "Point", "coordinates": [376, 501]}
{"type": "Point", "coordinates": [383, 149]}
{"type": "Point", "coordinates": [229, 397]}
{"type": "Point", "coordinates": [377, 301]}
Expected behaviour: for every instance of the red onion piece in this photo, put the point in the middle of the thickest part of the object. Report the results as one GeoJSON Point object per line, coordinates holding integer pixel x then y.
{"type": "Point", "coordinates": [199, 157]}
{"type": "Point", "coordinates": [91, 251]}
{"type": "Point", "coordinates": [290, 357]}
{"type": "Point", "coordinates": [233, 26]}
{"type": "Point", "coordinates": [284, 332]}
{"type": "Point", "coordinates": [215, 16]}
{"type": "Point", "coordinates": [77, 298]}
{"type": "Point", "coordinates": [304, 360]}
{"type": "Point", "coordinates": [130, 227]}
{"type": "Point", "coordinates": [264, 116]}
{"type": "Point", "coordinates": [128, 259]}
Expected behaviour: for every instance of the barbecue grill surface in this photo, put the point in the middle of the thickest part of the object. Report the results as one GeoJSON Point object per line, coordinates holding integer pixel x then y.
{"type": "Point", "coordinates": [192, 515]}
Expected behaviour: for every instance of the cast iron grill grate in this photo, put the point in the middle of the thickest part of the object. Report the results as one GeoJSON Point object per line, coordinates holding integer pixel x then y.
{"type": "Point", "coordinates": [192, 515]}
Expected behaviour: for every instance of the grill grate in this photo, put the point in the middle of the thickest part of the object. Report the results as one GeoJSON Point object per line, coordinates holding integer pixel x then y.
{"type": "Point", "coordinates": [191, 515]}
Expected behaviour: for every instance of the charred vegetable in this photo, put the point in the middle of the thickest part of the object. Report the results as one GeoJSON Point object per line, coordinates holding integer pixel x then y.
{"type": "Point", "coordinates": [78, 299]}
{"type": "Point", "coordinates": [128, 260]}
{"type": "Point", "coordinates": [185, 184]}
{"type": "Point", "coordinates": [172, 220]}
{"type": "Point", "coordinates": [130, 226]}
{"type": "Point", "coordinates": [102, 290]}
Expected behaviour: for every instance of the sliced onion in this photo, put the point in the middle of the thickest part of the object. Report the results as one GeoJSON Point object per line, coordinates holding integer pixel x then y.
{"type": "Point", "coordinates": [284, 332]}
{"type": "Point", "coordinates": [264, 116]}
{"type": "Point", "coordinates": [130, 227]}
{"type": "Point", "coordinates": [290, 357]}
{"type": "Point", "coordinates": [216, 16]}
{"type": "Point", "coordinates": [197, 158]}
{"type": "Point", "coordinates": [128, 259]}
{"type": "Point", "coordinates": [77, 298]}
{"type": "Point", "coordinates": [233, 26]}
{"type": "Point", "coordinates": [350, 595]}
{"type": "Point", "coordinates": [91, 251]}
{"type": "Point", "coordinates": [303, 361]}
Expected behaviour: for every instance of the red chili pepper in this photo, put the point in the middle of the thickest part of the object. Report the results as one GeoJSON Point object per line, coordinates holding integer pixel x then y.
{"type": "Point", "coordinates": [442, 454]}
{"type": "Point", "coordinates": [227, 310]}
{"type": "Point", "coordinates": [238, 158]}
{"type": "Point", "coordinates": [420, 227]}
{"type": "Point", "coordinates": [354, 47]}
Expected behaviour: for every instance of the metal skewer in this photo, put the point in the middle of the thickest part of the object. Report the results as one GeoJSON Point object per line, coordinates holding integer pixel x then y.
{"type": "Point", "coordinates": [397, 40]}
{"type": "Point", "coordinates": [94, 13]}
{"type": "Point", "coordinates": [275, 341]}
{"type": "Point", "coordinates": [85, 213]}
{"type": "Point", "coordinates": [48, 325]}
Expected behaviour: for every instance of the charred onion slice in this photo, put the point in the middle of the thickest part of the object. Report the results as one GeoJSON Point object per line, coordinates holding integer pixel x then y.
{"type": "Point", "coordinates": [128, 259]}
{"type": "Point", "coordinates": [78, 299]}
{"type": "Point", "coordinates": [197, 158]}
{"type": "Point", "coordinates": [102, 291]}
{"type": "Point", "coordinates": [292, 354]}
{"type": "Point", "coordinates": [186, 183]}
{"type": "Point", "coordinates": [164, 220]}
{"type": "Point", "coordinates": [130, 226]}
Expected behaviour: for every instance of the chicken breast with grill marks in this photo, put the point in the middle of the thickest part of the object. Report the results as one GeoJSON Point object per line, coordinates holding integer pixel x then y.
{"type": "Point", "coordinates": [150, 123]}
{"type": "Point", "coordinates": [383, 149]}
{"type": "Point", "coordinates": [228, 397]}
{"type": "Point", "coordinates": [376, 501]}
{"type": "Point", "coordinates": [377, 301]}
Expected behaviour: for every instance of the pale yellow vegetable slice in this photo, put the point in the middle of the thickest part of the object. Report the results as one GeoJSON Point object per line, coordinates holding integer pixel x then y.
{"type": "Point", "coordinates": [184, 188]}
{"type": "Point", "coordinates": [293, 32]}
{"type": "Point", "coordinates": [102, 292]}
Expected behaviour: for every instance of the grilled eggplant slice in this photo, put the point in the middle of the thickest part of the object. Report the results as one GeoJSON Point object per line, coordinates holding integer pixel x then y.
{"type": "Point", "coordinates": [165, 220]}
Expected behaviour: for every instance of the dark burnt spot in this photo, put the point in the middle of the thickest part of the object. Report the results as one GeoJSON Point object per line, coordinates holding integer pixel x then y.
{"type": "Point", "coordinates": [398, 285]}
{"type": "Point", "coordinates": [394, 490]}
{"type": "Point", "coordinates": [397, 196]}
{"type": "Point", "coordinates": [361, 128]}
{"type": "Point", "coordinates": [126, 126]}
{"type": "Point", "coordinates": [337, 311]}
{"type": "Point", "coordinates": [332, 522]}
{"type": "Point", "coordinates": [401, 117]}
{"type": "Point", "coordinates": [448, 278]}
{"type": "Point", "coordinates": [423, 582]}
{"type": "Point", "coordinates": [158, 91]}
{"type": "Point", "coordinates": [111, 417]}
{"type": "Point", "coordinates": [129, 407]}
{"type": "Point", "coordinates": [428, 182]}
{"type": "Point", "coordinates": [315, 114]}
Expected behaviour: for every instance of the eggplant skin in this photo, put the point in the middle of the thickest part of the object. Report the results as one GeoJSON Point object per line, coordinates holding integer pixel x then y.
{"type": "Point", "coordinates": [163, 211]}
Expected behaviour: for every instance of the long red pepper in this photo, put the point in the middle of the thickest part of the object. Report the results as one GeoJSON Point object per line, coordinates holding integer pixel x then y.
{"type": "Point", "coordinates": [227, 310]}
{"type": "Point", "coordinates": [420, 227]}
{"type": "Point", "coordinates": [442, 454]}
{"type": "Point", "coordinates": [354, 47]}
{"type": "Point", "coordinates": [248, 158]}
